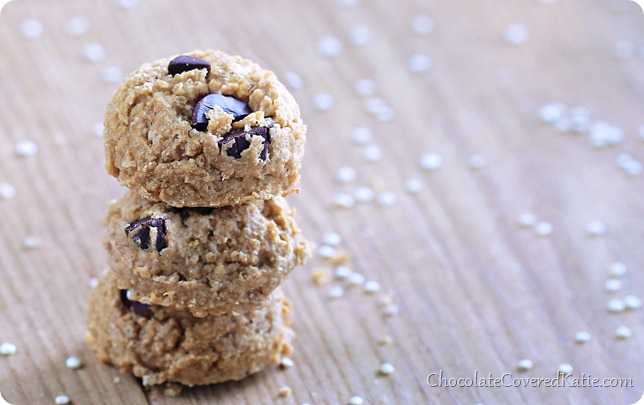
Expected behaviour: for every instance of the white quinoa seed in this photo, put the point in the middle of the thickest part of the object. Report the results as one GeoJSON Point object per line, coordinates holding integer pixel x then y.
{"type": "Point", "coordinates": [7, 349]}
{"type": "Point", "coordinates": [97, 129]}
{"type": "Point", "coordinates": [326, 251]}
{"type": "Point", "coordinates": [286, 362]}
{"type": "Point", "coordinates": [329, 46]}
{"type": "Point", "coordinates": [615, 305]}
{"type": "Point", "coordinates": [430, 161]}
{"type": "Point", "coordinates": [624, 50]}
{"type": "Point", "coordinates": [62, 400]}
{"type": "Point", "coordinates": [617, 269]}
{"type": "Point", "coordinates": [293, 80]}
{"type": "Point", "coordinates": [31, 242]}
{"type": "Point", "coordinates": [552, 112]}
{"type": "Point", "coordinates": [26, 148]}
{"type": "Point", "coordinates": [360, 36]}
{"type": "Point", "coordinates": [332, 239]}
{"type": "Point", "coordinates": [623, 332]}
{"type": "Point", "coordinates": [632, 302]}
{"type": "Point", "coordinates": [387, 199]}
{"type": "Point", "coordinates": [372, 287]}
{"type": "Point", "coordinates": [127, 3]}
{"type": "Point", "coordinates": [31, 28]}
{"type": "Point", "coordinates": [364, 194]}
{"type": "Point", "coordinates": [93, 282]}
{"type": "Point", "coordinates": [73, 362]}
{"type": "Point", "coordinates": [361, 135]}
{"type": "Point", "coordinates": [343, 272]}
{"type": "Point", "coordinates": [527, 220]}
{"type": "Point", "coordinates": [372, 153]}
{"type": "Point", "coordinates": [419, 63]}
{"type": "Point", "coordinates": [565, 369]}
{"type": "Point", "coordinates": [386, 369]}
{"type": "Point", "coordinates": [94, 52]}
{"type": "Point", "coordinates": [391, 310]}
{"type": "Point", "coordinates": [543, 228]}
{"type": "Point", "coordinates": [348, 3]}
{"type": "Point", "coordinates": [596, 228]}
{"type": "Point", "coordinates": [365, 87]}
{"type": "Point", "coordinates": [582, 337]}
{"type": "Point", "coordinates": [77, 26]}
{"type": "Point", "coordinates": [386, 114]}
{"type": "Point", "coordinates": [346, 174]}
{"type": "Point", "coordinates": [324, 101]}
{"type": "Point", "coordinates": [355, 279]}
{"type": "Point", "coordinates": [516, 34]}
{"type": "Point", "coordinates": [613, 285]}
{"type": "Point", "coordinates": [524, 365]}
{"type": "Point", "coordinates": [7, 191]}
{"type": "Point", "coordinates": [356, 400]}
{"type": "Point", "coordinates": [477, 161]}
{"type": "Point", "coordinates": [413, 186]}
{"type": "Point", "coordinates": [335, 292]}
{"type": "Point", "coordinates": [422, 24]}
{"type": "Point", "coordinates": [112, 74]}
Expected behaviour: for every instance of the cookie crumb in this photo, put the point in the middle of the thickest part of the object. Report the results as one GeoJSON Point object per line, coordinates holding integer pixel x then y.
{"type": "Point", "coordinates": [285, 391]}
{"type": "Point", "coordinates": [386, 369]}
{"type": "Point", "coordinates": [320, 276]}
{"type": "Point", "coordinates": [385, 340]}
{"type": "Point", "coordinates": [524, 365]}
{"type": "Point", "coordinates": [172, 389]}
{"type": "Point", "coordinates": [73, 362]}
{"type": "Point", "coordinates": [7, 349]}
{"type": "Point", "coordinates": [62, 400]}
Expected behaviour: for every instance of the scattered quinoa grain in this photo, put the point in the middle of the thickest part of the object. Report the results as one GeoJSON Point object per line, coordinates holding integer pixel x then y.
{"type": "Point", "coordinates": [356, 400]}
{"type": "Point", "coordinates": [26, 148]}
{"type": "Point", "coordinates": [323, 101]}
{"type": "Point", "coordinates": [365, 87]}
{"type": "Point", "coordinates": [516, 34]}
{"type": "Point", "coordinates": [387, 199]}
{"type": "Point", "coordinates": [285, 392]}
{"type": "Point", "coordinates": [332, 239]}
{"type": "Point", "coordinates": [335, 292]}
{"type": "Point", "coordinates": [527, 220]}
{"type": "Point", "coordinates": [346, 174]}
{"type": "Point", "coordinates": [582, 337]}
{"type": "Point", "coordinates": [364, 194]}
{"type": "Point", "coordinates": [73, 362]}
{"type": "Point", "coordinates": [329, 46]}
{"type": "Point", "coordinates": [31, 28]}
{"type": "Point", "coordinates": [632, 302]}
{"type": "Point", "coordinates": [62, 400]}
{"type": "Point", "coordinates": [386, 369]}
{"type": "Point", "coordinates": [343, 272]}
{"type": "Point", "coordinates": [524, 365]}
{"type": "Point", "coordinates": [615, 305]}
{"type": "Point", "coordinates": [7, 191]}
{"type": "Point", "coordinates": [344, 200]}
{"type": "Point", "coordinates": [7, 349]}
{"type": "Point", "coordinates": [422, 24]}
{"type": "Point", "coordinates": [617, 269]}
{"type": "Point", "coordinates": [77, 26]}
{"type": "Point", "coordinates": [94, 52]}
{"type": "Point", "coordinates": [565, 369]}
{"type": "Point", "coordinates": [623, 332]}
{"type": "Point", "coordinates": [431, 161]}
{"type": "Point", "coordinates": [613, 285]}
{"type": "Point", "coordinates": [543, 228]}
{"type": "Point", "coordinates": [372, 287]}
{"type": "Point", "coordinates": [419, 63]}
{"type": "Point", "coordinates": [361, 135]}
{"type": "Point", "coordinates": [286, 362]}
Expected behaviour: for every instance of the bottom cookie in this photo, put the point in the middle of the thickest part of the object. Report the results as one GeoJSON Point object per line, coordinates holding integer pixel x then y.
{"type": "Point", "coordinates": [161, 344]}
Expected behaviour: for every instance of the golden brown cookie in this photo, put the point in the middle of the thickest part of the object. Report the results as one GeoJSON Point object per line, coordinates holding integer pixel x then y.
{"type": "Point", "coordinates": [160, 344]}
{"type": "Point", "coordinates": [204, 130]}
{"type": "Point", "coordinates": [205, 260]}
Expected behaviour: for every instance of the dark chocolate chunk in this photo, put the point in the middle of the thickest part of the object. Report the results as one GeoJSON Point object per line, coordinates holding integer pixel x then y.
{"type": "Point", "coordinates": [238, 136]}
{"type": "Point", "coordinates": [138, 308]}
{"type": "Point", "coordinates": [231, 105]}
{"type": "Point", "coordinates": [140, 232]}
{"type": "Point", "coordinates": [183, 63]}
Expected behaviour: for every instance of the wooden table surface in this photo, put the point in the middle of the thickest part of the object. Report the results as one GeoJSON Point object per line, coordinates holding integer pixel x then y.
{"type": "Point", "coordinates": [465, 289]}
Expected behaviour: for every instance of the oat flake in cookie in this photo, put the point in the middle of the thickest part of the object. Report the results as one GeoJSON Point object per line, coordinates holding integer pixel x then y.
{"type": "Point", "coordinates": [162, 344]}
{"type": "Point", "coordinates": [204, 260]}
{"type": "Point", "coordinates": [204, 130]}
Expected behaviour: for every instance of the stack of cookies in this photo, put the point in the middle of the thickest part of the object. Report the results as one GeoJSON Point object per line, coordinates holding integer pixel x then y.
{"type": "Point", "coordinates": [208, 144]}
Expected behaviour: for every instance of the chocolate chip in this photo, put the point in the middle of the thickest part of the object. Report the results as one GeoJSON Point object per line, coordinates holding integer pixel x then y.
{"type": "Point", "coordinates": [238, 136]}
{"type": "Point", "coordinates": [231, 105]}
{"type": "Point", "coordinates": [184, 63]}
{"type": "Point", "coordinates": [142, 233]}
{"type": "Point", "coordinates": [138, 308]}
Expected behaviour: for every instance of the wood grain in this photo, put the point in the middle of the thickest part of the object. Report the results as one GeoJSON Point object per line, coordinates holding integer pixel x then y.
{"type": "Point", "coordinates": [474, 291]}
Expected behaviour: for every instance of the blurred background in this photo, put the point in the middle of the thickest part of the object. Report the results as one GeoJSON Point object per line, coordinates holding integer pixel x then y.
{"type": "Point", "coordinates": [473, 178]}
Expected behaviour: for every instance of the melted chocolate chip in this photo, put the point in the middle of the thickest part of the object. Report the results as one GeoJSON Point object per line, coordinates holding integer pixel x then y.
{"type": "Point", "coordinates": [231, 105]}
{"type": "Point", "coordinates": [240, 144]}
{"type": "Point", "coordinates": [184, 63]}
{"type": "Point", "coordinates": [138, 308]}
{"type": "Point", "coordinates": [141, 230]}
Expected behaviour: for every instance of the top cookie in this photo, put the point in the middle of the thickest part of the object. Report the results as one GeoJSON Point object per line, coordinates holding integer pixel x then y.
{"type": "Point", "coordinates": [204, 130]}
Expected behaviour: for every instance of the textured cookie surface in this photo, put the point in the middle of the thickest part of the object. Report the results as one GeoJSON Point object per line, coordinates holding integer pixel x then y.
{"type": "Point", "coordinates": [161, 344]}
{"type": "Point", "coordinates": [205, 260]}
{"type": "Point", "coordinates": [177, 131]}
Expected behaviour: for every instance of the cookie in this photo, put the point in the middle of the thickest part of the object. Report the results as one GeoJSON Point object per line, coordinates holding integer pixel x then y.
{"type": "Point", "coordinates": [204, 130]}
{"type": "Point", "coordinates": [160, 344]}
{"type": "Point", "coordinates": [205, 260]}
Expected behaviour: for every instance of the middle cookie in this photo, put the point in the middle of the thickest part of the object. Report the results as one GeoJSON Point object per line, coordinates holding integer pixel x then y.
{"type": "Point", "coordinates": [204, 260]}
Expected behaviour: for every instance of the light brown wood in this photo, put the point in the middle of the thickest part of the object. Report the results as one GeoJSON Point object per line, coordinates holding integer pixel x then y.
{"type": "Point", "coordinates": [474, 290]}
